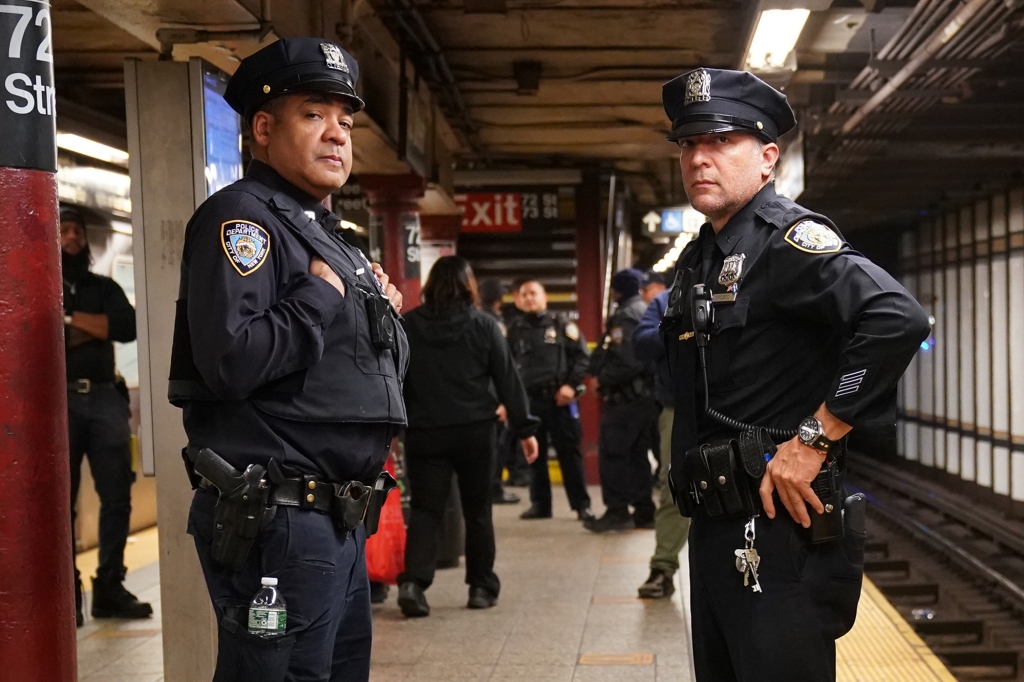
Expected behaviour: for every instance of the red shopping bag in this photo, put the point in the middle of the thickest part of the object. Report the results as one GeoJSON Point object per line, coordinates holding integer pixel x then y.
{"type": "Point", "coordinates": [385, 549]}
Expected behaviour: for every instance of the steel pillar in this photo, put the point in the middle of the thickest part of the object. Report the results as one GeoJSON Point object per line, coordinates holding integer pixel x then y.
{"type": "Point", "coordinates": [393, 202]}
{"type": "Point", "coordinates": [37, 598]}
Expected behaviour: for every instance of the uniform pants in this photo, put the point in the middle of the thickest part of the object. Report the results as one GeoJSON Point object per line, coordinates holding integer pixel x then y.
{"type": "Point", "coordinates": [321, 574]}
{"type": "Point", "coordinates": [431, 455]}
{"type": "Point", "coordinates": [98, 429]}
{"type": "Point", "coordinates": [563, 429]}
{"type": "Point", "coordinates": [670, 527]}
{"type": "Point", "coordinates": [626, 436]}
{"type": "Point", "coordinates": [788, 631]}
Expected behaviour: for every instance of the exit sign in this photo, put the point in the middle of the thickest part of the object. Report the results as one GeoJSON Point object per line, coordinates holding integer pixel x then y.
{"type": "Point", "coordinates": [491, 212]}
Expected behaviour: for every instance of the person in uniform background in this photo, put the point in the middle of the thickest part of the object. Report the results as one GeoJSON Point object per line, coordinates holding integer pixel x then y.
{"type": "Point", "coordinates": [491, 292]}
{"type": "Point", "coordinates": [670, 528]}
{"type": "Point", "coordinates": [461, 370]}
{"type": "Point", "coordinates": [97, 313]}
{"type": "Point", "coordinates": [806, 334]}
{"type": "Point", "coordinates": [628, 418]}
{"type": "Point", "coordinates": [652, 284]}
{"type": "Point", "coordinates": [551, 354]}
{"type": "Point", "coordinates": [276, 364]}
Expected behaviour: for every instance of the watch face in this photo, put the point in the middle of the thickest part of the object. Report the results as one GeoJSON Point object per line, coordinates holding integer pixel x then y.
{"type": "Point", "coordinates": [809, 430]}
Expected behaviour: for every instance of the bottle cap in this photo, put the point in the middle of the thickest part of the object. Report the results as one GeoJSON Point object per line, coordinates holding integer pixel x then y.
{"type": "Point", "coordinates": [269, 582]}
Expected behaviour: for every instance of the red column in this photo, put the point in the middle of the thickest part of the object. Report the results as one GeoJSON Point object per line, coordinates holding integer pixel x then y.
{"type": "Point", "coordinates": [589, 288]}
{"type": "Point", "coordinates": [393, 201]}
{"type": "Point", "coordinates": [37, 617]}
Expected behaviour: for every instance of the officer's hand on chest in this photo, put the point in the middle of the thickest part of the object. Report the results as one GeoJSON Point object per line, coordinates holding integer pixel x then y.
{"type": "Point", "coordinates": [321, 269]}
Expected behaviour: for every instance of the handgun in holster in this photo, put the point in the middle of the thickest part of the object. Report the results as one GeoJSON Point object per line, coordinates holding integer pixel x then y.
{"type": "Point", "coordinates": [241, 511]}
{"type": "Point", "coordinates": [384, 484]}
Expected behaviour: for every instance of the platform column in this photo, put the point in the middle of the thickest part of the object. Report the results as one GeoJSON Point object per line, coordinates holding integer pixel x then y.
{"type": "Point", "coordinates": [37, 598]}
{"type": "Point", "coordinates": [393, 205]}
{"type": "Point", "coordinates": [590, 292]}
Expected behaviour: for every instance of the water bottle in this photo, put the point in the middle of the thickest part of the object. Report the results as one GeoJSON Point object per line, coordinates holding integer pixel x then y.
{"type": "Point", "coordinates": [267, 614]}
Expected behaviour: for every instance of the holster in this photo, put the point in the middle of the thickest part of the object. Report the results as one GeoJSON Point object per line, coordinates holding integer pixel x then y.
{"type": "Point", "coordinates": [828, 487]}
{"type": "Point", "coordinates": [724, 476]}
{"type": "Point", "coordinates": [384, 484]}
{"type": "Point", "coordinates": [241, 511]}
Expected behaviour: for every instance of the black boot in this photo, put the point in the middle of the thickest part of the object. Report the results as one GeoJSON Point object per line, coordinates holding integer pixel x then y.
{"type": "Point", "coordinates": [611, 521]}
{"type": "Point", "coordinates": [412, 601]}
{"type": "Point", "coordinates": [535, 512]}
{"type": "Point", "coordinates": [659, 585]}
{"type": "Point", "coordinates": [378, 592]}
{"type": "Point", "coordinates": [481, 598]}
{"type": "Point", "coordinates": [111, 600]}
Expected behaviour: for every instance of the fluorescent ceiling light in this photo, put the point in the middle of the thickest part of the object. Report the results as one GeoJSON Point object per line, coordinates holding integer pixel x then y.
{"type": "Point", "coordinates": [774, 38]}
{"type": "Point", "coordinates": [92, 149]}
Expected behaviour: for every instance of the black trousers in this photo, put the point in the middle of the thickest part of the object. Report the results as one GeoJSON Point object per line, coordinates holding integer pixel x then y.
{"type": "Point", "coordinates": [563, 430]}
{"type": "Point", "coordinates": [788, 631]}
{"type": "Point", "coordinates": [98, 429]}
{"type": "Point", "coordinates": [627, 433]}
{"type": "Point", "coordinates": [321, 575]}
{"type": "Point", "coordinates": [431, 455]}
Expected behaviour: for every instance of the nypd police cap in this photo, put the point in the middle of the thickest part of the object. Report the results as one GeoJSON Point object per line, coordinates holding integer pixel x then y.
{"type": "Point", "coordinates": [292, 65]}
{"type": "Point", "coordinates": [705, 101]}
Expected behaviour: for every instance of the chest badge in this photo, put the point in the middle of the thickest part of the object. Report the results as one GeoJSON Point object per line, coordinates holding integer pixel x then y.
{"type": "Point", "coordinates": [732, 271]}
{"type": "Point", "coordinates": [246, 245]}
{"type": "Point", "coordinates": [550, 335]}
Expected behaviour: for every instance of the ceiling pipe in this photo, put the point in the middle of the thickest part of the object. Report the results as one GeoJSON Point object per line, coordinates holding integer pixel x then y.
{"type": "Point", "coordinates": [188, 35]}
{"type": "Point", "coordinates": [950, 29]}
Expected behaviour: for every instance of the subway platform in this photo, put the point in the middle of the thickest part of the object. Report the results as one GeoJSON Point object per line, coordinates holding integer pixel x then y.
{"type": "Point", "coordinates": [568, 613]}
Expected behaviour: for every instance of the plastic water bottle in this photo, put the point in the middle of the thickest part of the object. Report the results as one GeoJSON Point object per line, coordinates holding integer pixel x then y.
{"type": "Point", "coordinates": [267, 614]}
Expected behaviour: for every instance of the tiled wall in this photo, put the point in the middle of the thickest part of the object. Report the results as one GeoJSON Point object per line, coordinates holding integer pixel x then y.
{"type": "Point", "coordinates": [962, 399]}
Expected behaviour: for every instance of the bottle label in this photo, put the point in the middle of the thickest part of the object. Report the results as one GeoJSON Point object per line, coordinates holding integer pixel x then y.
{"type": "Point", "coordinates": [268, 620]}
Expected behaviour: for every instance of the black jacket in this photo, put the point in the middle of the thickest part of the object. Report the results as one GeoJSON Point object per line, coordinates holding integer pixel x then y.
{"type": "Point", "coordinates": [549, 350]}
{"type": "Point", "coordinates": [614, 362]}
{"type": "Point", "coordinates": [460, 370]}
{"type": "Point", "coordinates": [98, 295]}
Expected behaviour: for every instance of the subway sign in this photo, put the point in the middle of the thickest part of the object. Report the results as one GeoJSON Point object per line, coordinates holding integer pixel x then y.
{"type": "Point", "coordinates": [28, 112]}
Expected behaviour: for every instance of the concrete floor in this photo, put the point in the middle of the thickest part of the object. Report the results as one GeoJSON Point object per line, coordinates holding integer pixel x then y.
{"type": "Point", "coordinates": [568, 612]}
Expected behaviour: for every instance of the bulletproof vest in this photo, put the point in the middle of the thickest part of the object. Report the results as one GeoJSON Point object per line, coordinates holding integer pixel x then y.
{"type": "Point", "coordinates": [353, 381]}
{"type": "Point", "coordinates": [681, 350]}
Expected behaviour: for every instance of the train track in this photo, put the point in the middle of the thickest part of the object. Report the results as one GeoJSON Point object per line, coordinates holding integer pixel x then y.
{"type": "Point", "coordinates": [953, 568]}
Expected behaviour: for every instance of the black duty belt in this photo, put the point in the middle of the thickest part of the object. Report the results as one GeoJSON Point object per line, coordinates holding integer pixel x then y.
{"type": "Point", "coordinates": [307, 492]}
{"type": "Point", "coordinates": [86, 385]}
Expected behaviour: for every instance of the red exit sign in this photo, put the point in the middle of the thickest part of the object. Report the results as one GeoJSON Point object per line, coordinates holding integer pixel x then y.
{"type": "Point", "coordinates": [491, 212]}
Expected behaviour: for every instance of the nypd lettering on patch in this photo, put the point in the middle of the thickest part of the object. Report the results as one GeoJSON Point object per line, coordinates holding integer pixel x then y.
{"type": "Point", "coordinates": [813, 237]}
{"type": "Point", "coordinates": [246, 245]}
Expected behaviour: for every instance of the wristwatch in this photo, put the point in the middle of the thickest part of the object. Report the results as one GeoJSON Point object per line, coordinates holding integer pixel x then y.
{"type": "Point", "coordinates": [811, 432]}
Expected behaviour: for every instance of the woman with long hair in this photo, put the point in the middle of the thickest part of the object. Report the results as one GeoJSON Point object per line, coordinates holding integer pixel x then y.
{"type": "Point", "coordinates": [460, 371]}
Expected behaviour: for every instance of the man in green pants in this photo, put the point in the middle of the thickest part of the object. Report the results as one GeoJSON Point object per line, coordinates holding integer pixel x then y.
{"type": "Point", "coordinates": [670, 528]}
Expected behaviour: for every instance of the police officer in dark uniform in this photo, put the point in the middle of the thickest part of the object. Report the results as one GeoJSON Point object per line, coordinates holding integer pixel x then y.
{"type": "Point", "coordinates": [287, 363]}
{"type": "Point", "coordinates": [626, 384]}
{"type": "Point", "coordinates": [97, 313]}
{"type": "Point", "coordinates": [774, 322]}
{"type": "Point", "coordinates": [551, 356]}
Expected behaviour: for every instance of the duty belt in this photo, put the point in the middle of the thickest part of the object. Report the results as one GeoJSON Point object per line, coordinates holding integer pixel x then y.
{"type": "Point", "coordinates": [86, 385]}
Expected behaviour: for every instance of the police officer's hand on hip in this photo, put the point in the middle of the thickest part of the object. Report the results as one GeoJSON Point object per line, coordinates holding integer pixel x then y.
{"type": "Point", "coordinates": [288, 361]}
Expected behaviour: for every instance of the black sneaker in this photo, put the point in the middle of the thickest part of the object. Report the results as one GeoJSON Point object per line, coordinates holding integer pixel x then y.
{"type": "Point", "coordinates": [378, 592]}
{"type": "Point", "coordinates": [586, 514]}
{"type": "Point", "coordinates": [481, 598]}
{"type": "Point", "coordinates": [111, 600]}
{"type": "Point", "coordinates": [505, 497]}
{"type": "Point", "coordinates": [659, 585]}
{"type": "Point", "coordinates": [412, 601]}
{"type": "Point", "coordinates": [519, 480]}
{"type": "Point", "coordinates": [643, 521]}
{"type": "Point", "coordinates": [535, 512]}
{"type": "Point", "coordinates": [610, 522]}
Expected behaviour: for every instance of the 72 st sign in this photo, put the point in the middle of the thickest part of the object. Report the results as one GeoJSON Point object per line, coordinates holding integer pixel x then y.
{"type": "Point", "coordinates": [28, 112]}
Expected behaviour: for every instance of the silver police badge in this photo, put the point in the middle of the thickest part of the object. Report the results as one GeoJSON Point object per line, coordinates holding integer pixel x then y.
{"type": "Point", "coordinates": [335, 60]}
{"type": "Point", "coordinates": [698, 87]}
{"type": "Point", "coordinates": [732, 270]}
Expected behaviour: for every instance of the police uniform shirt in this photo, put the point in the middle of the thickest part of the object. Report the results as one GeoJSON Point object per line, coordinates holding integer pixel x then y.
{"type": "Point", "coordinates": [260, 329]}
{"type": "Point", "coordinates": [614, 362]}
{"type": "Point", "coordinates": [549, 350]}
{"type": "Point", "coordinates": [812, 321]}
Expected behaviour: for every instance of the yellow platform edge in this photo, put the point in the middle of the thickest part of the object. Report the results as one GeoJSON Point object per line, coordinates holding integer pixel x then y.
{"type": "Point", "coordinates": [883, 647]}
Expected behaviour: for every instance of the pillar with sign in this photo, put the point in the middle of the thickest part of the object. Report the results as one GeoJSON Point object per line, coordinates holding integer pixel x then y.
{"type": "Point", "coordinates": [37, 628]}
{"type": "Point", "coordinates": [395, 218]}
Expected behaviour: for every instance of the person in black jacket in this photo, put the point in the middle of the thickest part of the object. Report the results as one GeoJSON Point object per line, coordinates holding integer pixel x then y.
{"type": "Point", "coordinates": [460, 370]}
{"type": "Point", "coordinates": [97, 313]}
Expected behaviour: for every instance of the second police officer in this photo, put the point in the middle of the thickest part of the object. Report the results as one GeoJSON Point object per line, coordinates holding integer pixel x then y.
{"type": "Point", "coordinates": [551, 356]}
{"type": "Point", "coordinates": [626, 383]}
{"type": "Point", "coordinates": [287, 363]}
{"type": "Point", "coordinates": [773, 322]}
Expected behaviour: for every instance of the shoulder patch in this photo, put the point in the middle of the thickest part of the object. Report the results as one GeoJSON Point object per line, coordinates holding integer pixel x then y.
{"type": "Point", "coordinates": [246, 245]}
{"type": "Point", "coordinates": [502, 328]}
{"type": "Point", "coordinates": [813, 237]}
{"type": "Point", "coordinates": [616, 335]}
{"type": "Point", "coordinates": [572, 331]}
